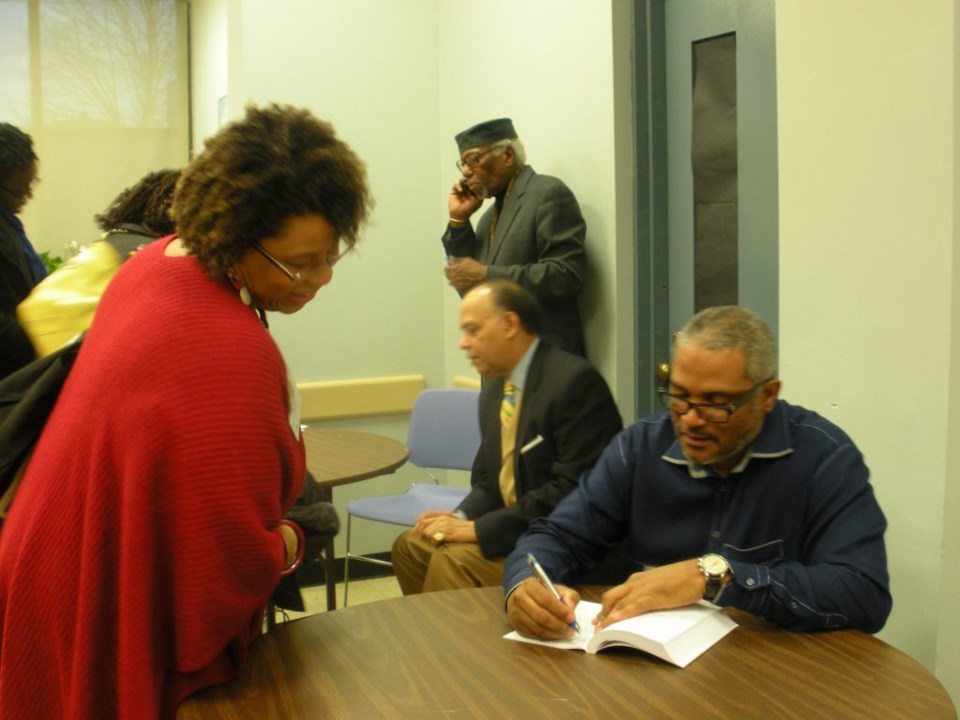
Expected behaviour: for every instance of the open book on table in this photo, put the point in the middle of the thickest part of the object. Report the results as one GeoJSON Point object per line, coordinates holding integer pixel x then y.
{"type": "Point", "coordinates": [677, 636]}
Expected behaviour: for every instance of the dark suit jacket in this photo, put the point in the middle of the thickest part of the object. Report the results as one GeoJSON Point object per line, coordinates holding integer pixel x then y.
{"type": "Point", "coordinates": [568, 403]}
{"type": "Point", "coordinates": [15, 284]}
{"type": "Point", "coordinates": [539, 244]}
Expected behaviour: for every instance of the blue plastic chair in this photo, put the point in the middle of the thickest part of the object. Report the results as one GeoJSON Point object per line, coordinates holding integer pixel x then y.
{"type": "Point", "coordinates": [444, 433]}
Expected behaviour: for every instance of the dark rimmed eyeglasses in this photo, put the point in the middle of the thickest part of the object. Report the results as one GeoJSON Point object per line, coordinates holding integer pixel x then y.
{"type": "Point", "coordinates": [472, 161]}
{"type": "Point", "coordinates": [711, 412]}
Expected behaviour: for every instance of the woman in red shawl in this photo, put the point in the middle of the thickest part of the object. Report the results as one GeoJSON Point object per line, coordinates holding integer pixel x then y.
{"type": "Point", "coordinates": [146, 535]}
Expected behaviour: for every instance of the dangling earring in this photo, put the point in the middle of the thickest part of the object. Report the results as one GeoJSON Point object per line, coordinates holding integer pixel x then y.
{"type": "Point", "coordinates": [240, 288]}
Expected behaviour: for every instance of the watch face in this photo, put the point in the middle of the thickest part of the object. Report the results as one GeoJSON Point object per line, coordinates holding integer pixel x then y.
{"type": "Point", "coordinates": [714, 564]}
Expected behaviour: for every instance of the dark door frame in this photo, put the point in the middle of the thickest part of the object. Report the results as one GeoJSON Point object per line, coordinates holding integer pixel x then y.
{"type": "Point", "coordinates": [651, 331]}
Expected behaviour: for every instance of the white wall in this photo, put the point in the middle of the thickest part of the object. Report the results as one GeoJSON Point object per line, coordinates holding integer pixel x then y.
{"type": "Point", "coordinates": [370, 67]}
{"type": "Point", "coordinates": [948, 635]}
{"type": "Point", "coordinates": [209, 74]}
{"type": "Point", "coordinates": [867, 129]}
{"type": "Point", "coordinates": [549, 67]}
{"type": "Point", "coordinates": [396, 81]}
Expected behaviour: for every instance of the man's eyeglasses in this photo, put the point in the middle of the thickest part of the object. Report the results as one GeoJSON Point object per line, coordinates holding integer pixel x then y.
{"type": "Point", "coordinates": [297, 275]}
{"type": "Point", "coordinates": [711, 412]}
{"type": "Point", "coordinates": [472, 161]}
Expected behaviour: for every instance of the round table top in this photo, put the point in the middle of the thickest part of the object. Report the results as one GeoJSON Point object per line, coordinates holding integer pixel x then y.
{"type": "Point", "coordinates": [337, 457]}
{"type": "Point", "coordinates": [442, 655]}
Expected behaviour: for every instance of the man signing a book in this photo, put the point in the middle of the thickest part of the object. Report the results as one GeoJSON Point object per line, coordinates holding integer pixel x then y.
{"type": "Point", "coordinates": [733, 496]}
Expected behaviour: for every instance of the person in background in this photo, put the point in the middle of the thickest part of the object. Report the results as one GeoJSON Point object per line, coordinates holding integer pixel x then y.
{"type": "Point", "coordinates": [20, 266]}
{"type": "Point", "coordinates": [545, 416]}
{"type": "Point", "coordinates": [147, 532]}
{"type": "Point", "coordinates": [533, 233]}
{"type": "Point", "coordinates": [62, 305]}
{"type": "Point", "coordinates": [732, 496]}
{"type": "Point", "coordinates": [144, 208]}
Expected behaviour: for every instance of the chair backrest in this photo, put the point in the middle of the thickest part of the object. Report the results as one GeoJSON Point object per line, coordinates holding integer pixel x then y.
{"type": "Point", "coordinates": [445, 428]}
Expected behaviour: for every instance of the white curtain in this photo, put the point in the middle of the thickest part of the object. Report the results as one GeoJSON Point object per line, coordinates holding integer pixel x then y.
{"type": "Point", "coordinates": [102, 87]}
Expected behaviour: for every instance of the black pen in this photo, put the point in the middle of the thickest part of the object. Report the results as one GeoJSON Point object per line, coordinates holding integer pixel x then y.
{"type": "Point", "coordinates": [545, 581]}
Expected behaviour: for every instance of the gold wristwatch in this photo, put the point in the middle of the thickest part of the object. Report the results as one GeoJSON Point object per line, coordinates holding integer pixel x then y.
{"type": "Point", "coordinates": [715, 569]}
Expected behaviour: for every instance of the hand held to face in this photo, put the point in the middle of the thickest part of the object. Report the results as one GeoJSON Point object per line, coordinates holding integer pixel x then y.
{"type": "Point", "coordinates": [463, 201]}
{"type": "Point", "coordinates": [465, 191]}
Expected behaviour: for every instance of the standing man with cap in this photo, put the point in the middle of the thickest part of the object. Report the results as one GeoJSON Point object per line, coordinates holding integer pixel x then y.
{"type": "Point", "coordinates": [545, 416]}
{"type": "Point", "coordinates": [533, 233]}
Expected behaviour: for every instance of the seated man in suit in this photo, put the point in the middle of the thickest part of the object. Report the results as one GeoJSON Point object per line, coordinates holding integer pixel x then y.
{"type": "Point", "coordinates": [545, 416]}
{"type": "Point", "coordinates": [732, 496]}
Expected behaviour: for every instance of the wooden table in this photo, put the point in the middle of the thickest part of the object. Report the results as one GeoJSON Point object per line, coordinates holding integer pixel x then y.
{"type": "Point", "coordinates": [338, 457]}
{"type": "Point", "coordinates": [441, 655]}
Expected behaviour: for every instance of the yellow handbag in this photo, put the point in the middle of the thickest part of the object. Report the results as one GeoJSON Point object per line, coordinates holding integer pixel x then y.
{"type": "Point", "coordinates": [62, 305]}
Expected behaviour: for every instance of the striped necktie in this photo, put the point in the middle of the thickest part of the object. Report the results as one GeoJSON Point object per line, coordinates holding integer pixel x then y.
{"type": "Point", "coordinates": [509, 408]}
{"type": "Point", "coordinates": [508, 405]}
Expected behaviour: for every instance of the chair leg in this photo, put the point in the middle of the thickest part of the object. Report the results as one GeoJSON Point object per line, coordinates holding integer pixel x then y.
{"type": "Point", "coordinates": [325, 494]}
{"type": "Point", "coordinates": [346, 564]}
{"type": "Point", "coordinates": [271, 616]}
{"type": "Point", "coordinates": [330, 571]}
{"type": "Point", "coordinates": [350, 556]}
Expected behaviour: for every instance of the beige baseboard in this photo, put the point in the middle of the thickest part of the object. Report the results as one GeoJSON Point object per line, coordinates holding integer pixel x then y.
{"type": "Point", "coordinates": [359, 398]}
{"type": "Point", "coordinates": [462, 381]}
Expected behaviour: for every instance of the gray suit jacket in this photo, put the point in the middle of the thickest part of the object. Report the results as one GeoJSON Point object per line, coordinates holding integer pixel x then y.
{"type": "Point", "coordinates": [567, 403]}
{"type": "Point", "coordinates": [539, 244]}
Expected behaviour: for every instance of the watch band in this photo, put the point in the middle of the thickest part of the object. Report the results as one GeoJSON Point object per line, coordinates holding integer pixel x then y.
{"type": "Point", "coordinates": [714, 586]}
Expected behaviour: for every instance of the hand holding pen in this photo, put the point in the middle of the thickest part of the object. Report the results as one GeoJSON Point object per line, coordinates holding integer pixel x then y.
{"type": "Point", "coordinates": [538, 571]}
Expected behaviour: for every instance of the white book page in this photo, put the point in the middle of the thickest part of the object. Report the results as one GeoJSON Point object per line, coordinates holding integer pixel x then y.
{"type": "Point", "coordinates": [661, 627]}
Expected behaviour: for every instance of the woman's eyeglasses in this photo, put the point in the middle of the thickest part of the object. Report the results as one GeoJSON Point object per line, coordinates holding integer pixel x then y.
{"type": "Point", "coordinates": [297, 275]}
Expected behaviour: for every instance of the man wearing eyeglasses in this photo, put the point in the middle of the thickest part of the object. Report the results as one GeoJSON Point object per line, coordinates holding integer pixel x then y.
{"type": "Point", "coordinates": [20, 266]}
{"type": "Point", "coordinates": [732, 496]}
{"type": "Point", "coordinates": [533, 233]}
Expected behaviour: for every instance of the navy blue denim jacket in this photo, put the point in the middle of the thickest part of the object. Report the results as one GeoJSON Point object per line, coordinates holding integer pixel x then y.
{"type": "Point", "coordinates": [797, 520]}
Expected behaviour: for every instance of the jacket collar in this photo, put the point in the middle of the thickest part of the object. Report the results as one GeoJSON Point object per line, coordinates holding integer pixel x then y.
{"type": "Point", "coordinates": [774, 441]}
{"type": "Point", "coordinates": [511, 206]}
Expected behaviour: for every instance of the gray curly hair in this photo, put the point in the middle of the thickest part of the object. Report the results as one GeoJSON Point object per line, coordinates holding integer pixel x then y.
{"type": "Point", "coordinates": [729, 327]}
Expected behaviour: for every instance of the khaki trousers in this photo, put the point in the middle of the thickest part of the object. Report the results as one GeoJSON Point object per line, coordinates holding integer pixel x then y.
{"type": "Point", "coordinates": [421, 566]}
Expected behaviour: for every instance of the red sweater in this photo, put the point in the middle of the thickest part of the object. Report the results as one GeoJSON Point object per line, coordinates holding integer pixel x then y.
{"type": "Point", "coordinates": [142, 545]}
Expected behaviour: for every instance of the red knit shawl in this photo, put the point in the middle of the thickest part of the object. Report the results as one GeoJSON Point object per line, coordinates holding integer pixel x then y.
{"type": "Point", "coordinates": [142, 544]}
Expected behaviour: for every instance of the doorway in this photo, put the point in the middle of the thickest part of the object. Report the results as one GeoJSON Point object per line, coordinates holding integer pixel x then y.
{"type": "Point", "coordinates": [702, 239]}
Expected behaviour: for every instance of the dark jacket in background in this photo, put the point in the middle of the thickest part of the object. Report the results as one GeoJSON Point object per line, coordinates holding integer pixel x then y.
{"type": "Point", "coordinates": [539, 244]}
{"type": "Point", "coordinates": [16, 282]}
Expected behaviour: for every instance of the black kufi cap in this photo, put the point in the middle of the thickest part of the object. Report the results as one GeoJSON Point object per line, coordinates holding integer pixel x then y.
{"type": "Point", "coordinates": [485, 133]}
